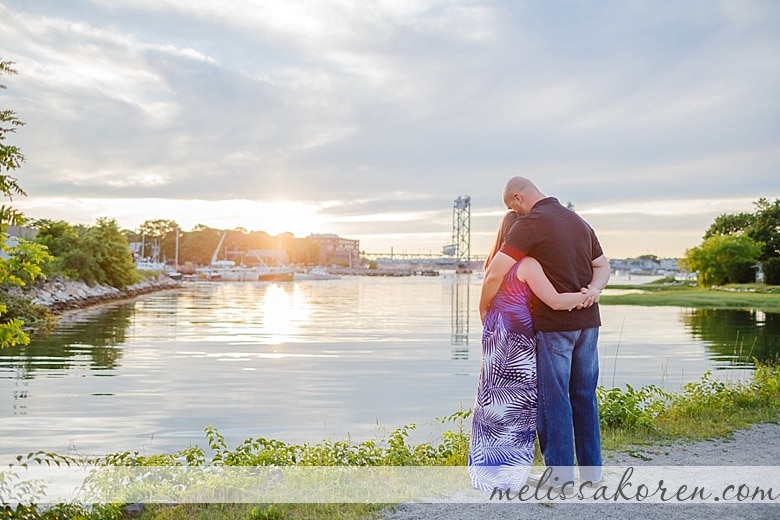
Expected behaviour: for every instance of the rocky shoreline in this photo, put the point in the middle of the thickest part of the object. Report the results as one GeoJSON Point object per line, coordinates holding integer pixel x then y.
{"type": "Point", "coordinates": [59, 295]}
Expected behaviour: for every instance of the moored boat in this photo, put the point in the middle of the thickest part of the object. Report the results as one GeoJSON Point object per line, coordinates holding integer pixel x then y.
{"type": "Point", "coordinates": [277, 276]}
{"type": "Point", "coordinates": [316, 273]}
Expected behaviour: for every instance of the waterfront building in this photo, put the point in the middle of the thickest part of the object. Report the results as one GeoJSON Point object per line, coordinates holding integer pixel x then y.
{"type": "Point", "coordinates": [337, 251]}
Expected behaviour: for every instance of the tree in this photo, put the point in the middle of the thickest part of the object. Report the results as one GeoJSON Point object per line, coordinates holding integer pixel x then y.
{"type": "Point", "coordinates": [106, 244]}
{"type": "Point", "coordinates": [772, 271]}
{"type": "Point", "coordinates": [198, 245]}
{"type": "Point", "coordinates": [766, 227]}
{"type": "Point", "coordinates": [723, 259]}
{"type": "Point", "coordinates": [11, 158]}
{"type": "Point", "coordinates": [725, 224]}
{"type": "Point", "coordinates": [66, 243]}
{"type": "Point", "coordinates": [22, 262]}
{"type": "Point", "coordinates": [763, 226]}
{"type": "Point", "coordinates": [58, 236]}
{"type": "Point", "coordinates": [164, 233]}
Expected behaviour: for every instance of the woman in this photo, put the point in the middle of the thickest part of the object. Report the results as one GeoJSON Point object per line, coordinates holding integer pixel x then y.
{"type": "Point", "coordinates": [503, 431]}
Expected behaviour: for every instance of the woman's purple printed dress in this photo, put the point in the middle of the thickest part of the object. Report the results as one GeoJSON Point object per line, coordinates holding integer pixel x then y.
{"type": "Point", "coordinates": [503, 429]}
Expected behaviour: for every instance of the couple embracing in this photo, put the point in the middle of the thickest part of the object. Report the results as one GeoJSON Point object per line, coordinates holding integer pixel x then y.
{"type": "Point", "coordinates": [540, 316]}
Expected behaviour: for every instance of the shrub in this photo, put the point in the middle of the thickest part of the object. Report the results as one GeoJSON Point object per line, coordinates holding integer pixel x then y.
{"type": "Point", "coordinates": [630, 407]}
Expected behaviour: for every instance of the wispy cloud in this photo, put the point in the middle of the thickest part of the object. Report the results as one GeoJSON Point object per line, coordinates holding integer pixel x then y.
{"type": "Point", "coordinates": [377, 115]}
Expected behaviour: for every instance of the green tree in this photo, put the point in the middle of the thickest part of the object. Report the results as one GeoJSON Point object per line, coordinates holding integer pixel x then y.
{"type": "Point", "coordinates": [58, 236]}
{"type": "Point", "coordinates": [763, 226]}
{"type": "Point", "coordinates": [772, 271]}
{"type": "Point", "coordinates": [11, 158]}
{"type": "Point", "coordinates": [766, 227]}
{"type": "Point", "coordinates": [20, 263]}
{"type": "Point", "coordinates": [71, 249]}
{"type": "Point", "coordinates": [723, 259]}
{"type": "Point", "coordinates": [108, 246]}
{"type": "Point", "coordinates": [198, 245]}
{"type": "Point", "coordinates": [160, 233]}
{"type": "Point", "coordinates": [730, 224]}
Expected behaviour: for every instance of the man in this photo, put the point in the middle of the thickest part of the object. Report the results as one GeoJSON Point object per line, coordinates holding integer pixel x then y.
{"type": "Point", "coordinates": [567, 354]}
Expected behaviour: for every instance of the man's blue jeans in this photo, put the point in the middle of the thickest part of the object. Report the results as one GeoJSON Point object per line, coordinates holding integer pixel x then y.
{"type": "Point", "coordinates": [568, 416]}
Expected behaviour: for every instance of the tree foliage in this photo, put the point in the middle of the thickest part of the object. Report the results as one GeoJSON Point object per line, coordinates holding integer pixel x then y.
{"type": "Point", "coordinates": [723, 259]}
{"type": "Point", "coordinates": [158, 237]}
{"type": "Point", "coordinates": [772, 271]}
{"type": "Point", "coordinates": [730, 224]}
{"type": "Point", "coordinates": [766, 227]}
{"type": "Point", "coordinates": [198, 245]}
{"type": "Point", "coordinates": [97, 255]}
{"type": "Point", "coordinates": [11, 158]}
{"type": "Point", "coordinates": [21, 262]}
{"type": "Point", "coordinates": [762, 227]}
{"type": "Point", "coordinates": [111, 252]}
{"type": "Point", "coordinates": [58, 236]}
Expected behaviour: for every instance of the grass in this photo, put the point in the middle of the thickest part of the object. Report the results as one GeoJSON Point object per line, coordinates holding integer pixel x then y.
{"type": "Point", "coordinates": [264, 511]}
{"type": "Point", "coordinates": [704, 409]}
{"type": "Point", "coordinates": [667, 292]}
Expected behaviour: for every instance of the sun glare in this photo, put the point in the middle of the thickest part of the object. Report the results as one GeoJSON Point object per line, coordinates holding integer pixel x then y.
{"type": "Point", "coordinates": [282, 216]}
{"type": "Point", "coordinates": [273, 217]}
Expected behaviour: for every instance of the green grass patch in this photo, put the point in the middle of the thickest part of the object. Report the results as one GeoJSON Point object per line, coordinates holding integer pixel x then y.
{"type": "Point", "coordinates": [705, 409]}
{"type": "Point", "coordinates": [264, 511]}
{"type": "Point", "coordinates": [664, 292]}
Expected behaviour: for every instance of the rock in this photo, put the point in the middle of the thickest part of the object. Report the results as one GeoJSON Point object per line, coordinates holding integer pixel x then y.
{"type": "Point", "coordinates": [59, 295]}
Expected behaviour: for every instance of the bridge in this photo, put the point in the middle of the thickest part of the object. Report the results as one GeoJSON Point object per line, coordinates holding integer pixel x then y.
{"type": "Point", "coordinates": [454, 255]}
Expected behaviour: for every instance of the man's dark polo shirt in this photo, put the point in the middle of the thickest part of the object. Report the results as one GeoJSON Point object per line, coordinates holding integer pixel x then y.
{"type": "Point", "coordinates": [565, 245]}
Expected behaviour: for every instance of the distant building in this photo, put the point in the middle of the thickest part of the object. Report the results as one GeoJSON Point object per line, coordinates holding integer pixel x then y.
{"type": "Point", "coordinates": [22, 232]}
{"type": "Point", "coordinates": [645, 265]}
{"type": "Point", "coordinates": [16, 233]}
{"type": "Point", "coordinates": [335, 250]}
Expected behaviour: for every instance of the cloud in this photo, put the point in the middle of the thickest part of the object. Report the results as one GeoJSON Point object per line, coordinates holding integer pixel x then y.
{"type": "Point", "coordinates": [384, 112]}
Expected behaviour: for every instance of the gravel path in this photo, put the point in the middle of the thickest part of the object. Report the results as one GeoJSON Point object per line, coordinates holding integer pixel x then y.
{"type": "Point", "coordinates": [756, 446]}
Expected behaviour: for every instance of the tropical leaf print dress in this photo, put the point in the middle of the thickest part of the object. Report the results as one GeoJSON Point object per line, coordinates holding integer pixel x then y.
{"type": "Point", "coordinates": [503, 428]}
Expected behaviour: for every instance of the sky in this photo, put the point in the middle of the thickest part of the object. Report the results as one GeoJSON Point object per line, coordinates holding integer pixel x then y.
{"type": "Point", "coordinates": [369, 118]}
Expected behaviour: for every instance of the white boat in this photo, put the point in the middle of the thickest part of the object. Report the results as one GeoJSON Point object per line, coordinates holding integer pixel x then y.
{"type": "Point", "coordinates": [315, 273]}
{"type": "Point", "coordinates": [158, 267]}
{"type": "Point", "coordinates": [227, 270]}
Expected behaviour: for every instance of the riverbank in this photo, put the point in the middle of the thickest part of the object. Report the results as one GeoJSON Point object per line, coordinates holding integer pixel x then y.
{"type": "Point", "coordinates": [758, 445]}
{"type": "Point", "coordinates": [674, 294]}
{"type": "Point", "coordinates": [59, 295]}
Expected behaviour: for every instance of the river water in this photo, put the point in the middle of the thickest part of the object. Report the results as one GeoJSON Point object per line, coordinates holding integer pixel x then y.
{"type": "Point", "coordinates": [350, 358]}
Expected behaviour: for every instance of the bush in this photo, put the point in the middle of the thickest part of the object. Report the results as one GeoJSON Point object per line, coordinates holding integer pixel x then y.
{"type": "Point", "coordinates": [631, 407]}
{"type": "Point", "coordinates": [35, 317]}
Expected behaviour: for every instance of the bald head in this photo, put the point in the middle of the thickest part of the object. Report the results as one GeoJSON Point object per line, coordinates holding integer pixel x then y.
{"type": "Point", "coordinates": [520, 195]}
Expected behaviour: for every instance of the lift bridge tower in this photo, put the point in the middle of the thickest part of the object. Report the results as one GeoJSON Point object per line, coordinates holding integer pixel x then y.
{"type": "Point", "coordinates": [461, 228]}
{"type": "Point", "coordinates": [461, 251]}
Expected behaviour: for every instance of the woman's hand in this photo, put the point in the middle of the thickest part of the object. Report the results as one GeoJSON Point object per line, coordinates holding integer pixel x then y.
{"type": "Point", "coordinates": [591, 296]}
